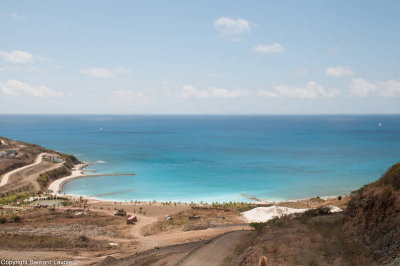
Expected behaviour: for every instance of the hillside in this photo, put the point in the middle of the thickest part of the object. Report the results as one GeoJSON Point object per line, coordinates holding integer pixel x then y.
{"type": "Point", "coordinates": [373, 214]}
{"type": "Point", "coordinates": [16, 154]}
{"type": "Point", "coordinates": [366, 233]}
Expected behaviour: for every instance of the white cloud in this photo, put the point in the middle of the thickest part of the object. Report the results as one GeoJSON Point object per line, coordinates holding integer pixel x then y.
{"type": "Point", "coordinates": [268, 49]}
{"type": "Point", "coordinates": [300, 71]}
{"type": "Point", "coordinates": [18, 88]}
{"type": "Point", "coordinates": [17, 16]}
{"type": "Point", "coordinates": [364, 88]}
{"type": "Point", "coordinates": [229, 26]}
{"type": "Point", "coordinates": [17, 56]}
{"type": "Point", "coordinates": [189, 91]}
{"type": "Point", "coordinates": [390, 88]}
{"type": "Point", "coordinates": [310, 91]}
{"type": "Point", "coordinates": [99, 72]}
{"type": "Point", "coordinates": [129, 94]}
{"type": "Point", "coordinates": [361, 87]}
{"type": "Point", "coordinates": [339, 71]}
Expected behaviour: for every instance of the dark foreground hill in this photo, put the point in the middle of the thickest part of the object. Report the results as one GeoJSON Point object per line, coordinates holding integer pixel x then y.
{"type": "Point", "coordinates": [373, 214]}
{"type": "Point", "coordinates": [366, 233]}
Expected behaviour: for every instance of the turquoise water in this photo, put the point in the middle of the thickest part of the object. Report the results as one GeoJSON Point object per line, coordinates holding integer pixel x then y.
{"type": "Point", "coordinates": [217, 158]}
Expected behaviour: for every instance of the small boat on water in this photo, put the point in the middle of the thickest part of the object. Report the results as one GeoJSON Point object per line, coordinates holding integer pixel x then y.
{"type": "Point", "coordinates": [380, 124]}
{"type": "Point", "coordinates": [101, 129]}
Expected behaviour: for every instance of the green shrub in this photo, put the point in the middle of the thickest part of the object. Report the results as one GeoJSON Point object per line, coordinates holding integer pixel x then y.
{"type": "Point", "coordinates": [13, 198]}
{"type": "Point", "coordinates": [259, 227]}
{"type": "Point", "coordinates": [16, 218]}
{"type": "Point", "coordinates": [46, 177]}
{"type": "Point", "coordinates": [83, 238]}
{"type": "Point", "coordinates": [323, 210]}
{"type": "Point", "coordinates": [305, 216]}
{"type": "Point", "coordinates": [70, 160]}
{"type": "Point", "coordinates": [274, 222]}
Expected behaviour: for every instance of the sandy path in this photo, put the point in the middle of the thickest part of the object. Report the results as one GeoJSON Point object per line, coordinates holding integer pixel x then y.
{"type": "Point", "coordinates": [216, 251]}
{"type": "Point", "coordinates": [6, 176]}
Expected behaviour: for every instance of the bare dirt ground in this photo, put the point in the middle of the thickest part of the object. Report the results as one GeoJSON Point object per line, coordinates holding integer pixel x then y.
{"type": "Point", "coordinates": [94, 234]}
{"type": "Point", "coordinates": [68, 234]}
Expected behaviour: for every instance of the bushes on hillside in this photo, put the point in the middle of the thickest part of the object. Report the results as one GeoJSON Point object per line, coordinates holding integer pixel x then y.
{"type": "Point", "coordinates": [70, 160]}
{"type": "Point", "coordinates": [14, 198]}
{"type": "Point", "coordinates": [274, 222]}
{"type": "Point", "coordinates": [46, 177]}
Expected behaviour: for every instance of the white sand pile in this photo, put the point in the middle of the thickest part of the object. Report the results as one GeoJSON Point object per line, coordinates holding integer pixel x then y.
{"type": "Point", "coordinates": [335, 209]}
{"type": "Point", "coordinates": [264, 214]}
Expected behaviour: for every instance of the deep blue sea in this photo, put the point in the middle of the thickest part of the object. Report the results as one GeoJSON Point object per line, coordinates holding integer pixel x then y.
{"type": "Point", "coordinates": [217, 158]}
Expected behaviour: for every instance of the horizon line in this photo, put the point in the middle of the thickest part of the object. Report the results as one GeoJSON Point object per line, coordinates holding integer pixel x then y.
{"type": "Point", "coordinates": [199, 114]}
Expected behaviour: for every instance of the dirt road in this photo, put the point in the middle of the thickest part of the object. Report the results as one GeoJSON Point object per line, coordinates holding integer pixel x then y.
{"type": "Point", "coordinates": [6, 176]}
{"type": "Point", "coordinates": [201, 252]}
{"type": "Point", "coordinates": [215, 251]}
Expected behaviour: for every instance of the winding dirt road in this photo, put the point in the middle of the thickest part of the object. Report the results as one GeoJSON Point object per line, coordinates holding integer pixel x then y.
{"type": "Point", "coordinates": [6, 176]}
{"type": "Point", "coordinates": [214, 252]}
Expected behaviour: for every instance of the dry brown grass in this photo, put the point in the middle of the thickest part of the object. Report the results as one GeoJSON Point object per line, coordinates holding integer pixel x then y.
{"type": "Point", "coordinates": [43, 217]}
{"type": "Point", "coordinates": [318, 240]}
{"type": "Point", "coordinates": [29, 241]}
{"type": "Point", "coordinates": [208, 217]}
{"type": "Point", "coordinates": [44, 228]}
{"type": "Point", "coordinates": [317, 202]}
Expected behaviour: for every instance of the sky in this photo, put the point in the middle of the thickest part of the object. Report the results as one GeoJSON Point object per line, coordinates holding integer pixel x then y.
{"type": "Point", "coordinates": [200, 57]}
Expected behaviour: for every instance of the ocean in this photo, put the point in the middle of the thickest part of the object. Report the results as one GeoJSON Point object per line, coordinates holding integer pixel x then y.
{"type": "Point", "coordinates": [217, 158]}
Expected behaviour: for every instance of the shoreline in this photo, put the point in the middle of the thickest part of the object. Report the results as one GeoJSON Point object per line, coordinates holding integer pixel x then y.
{"type": "Point", "coordinates": [57, 186]}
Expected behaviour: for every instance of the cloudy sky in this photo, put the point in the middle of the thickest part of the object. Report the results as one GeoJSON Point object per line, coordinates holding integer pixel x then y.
{"type": "Point", "coordinates": [200, 57]}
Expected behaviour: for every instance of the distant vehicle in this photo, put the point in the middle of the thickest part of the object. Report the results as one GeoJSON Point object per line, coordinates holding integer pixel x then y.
{"type": "Point", "coordinates": [131, 220]}
{"type": "Point", "coordinates": [42, 205]}
{"type": "Point", "coordinates": [120, 212]}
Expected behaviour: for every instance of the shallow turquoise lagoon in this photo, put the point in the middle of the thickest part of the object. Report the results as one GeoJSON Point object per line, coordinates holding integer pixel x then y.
{"type": "Point", "coordinates": [217, 158]}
